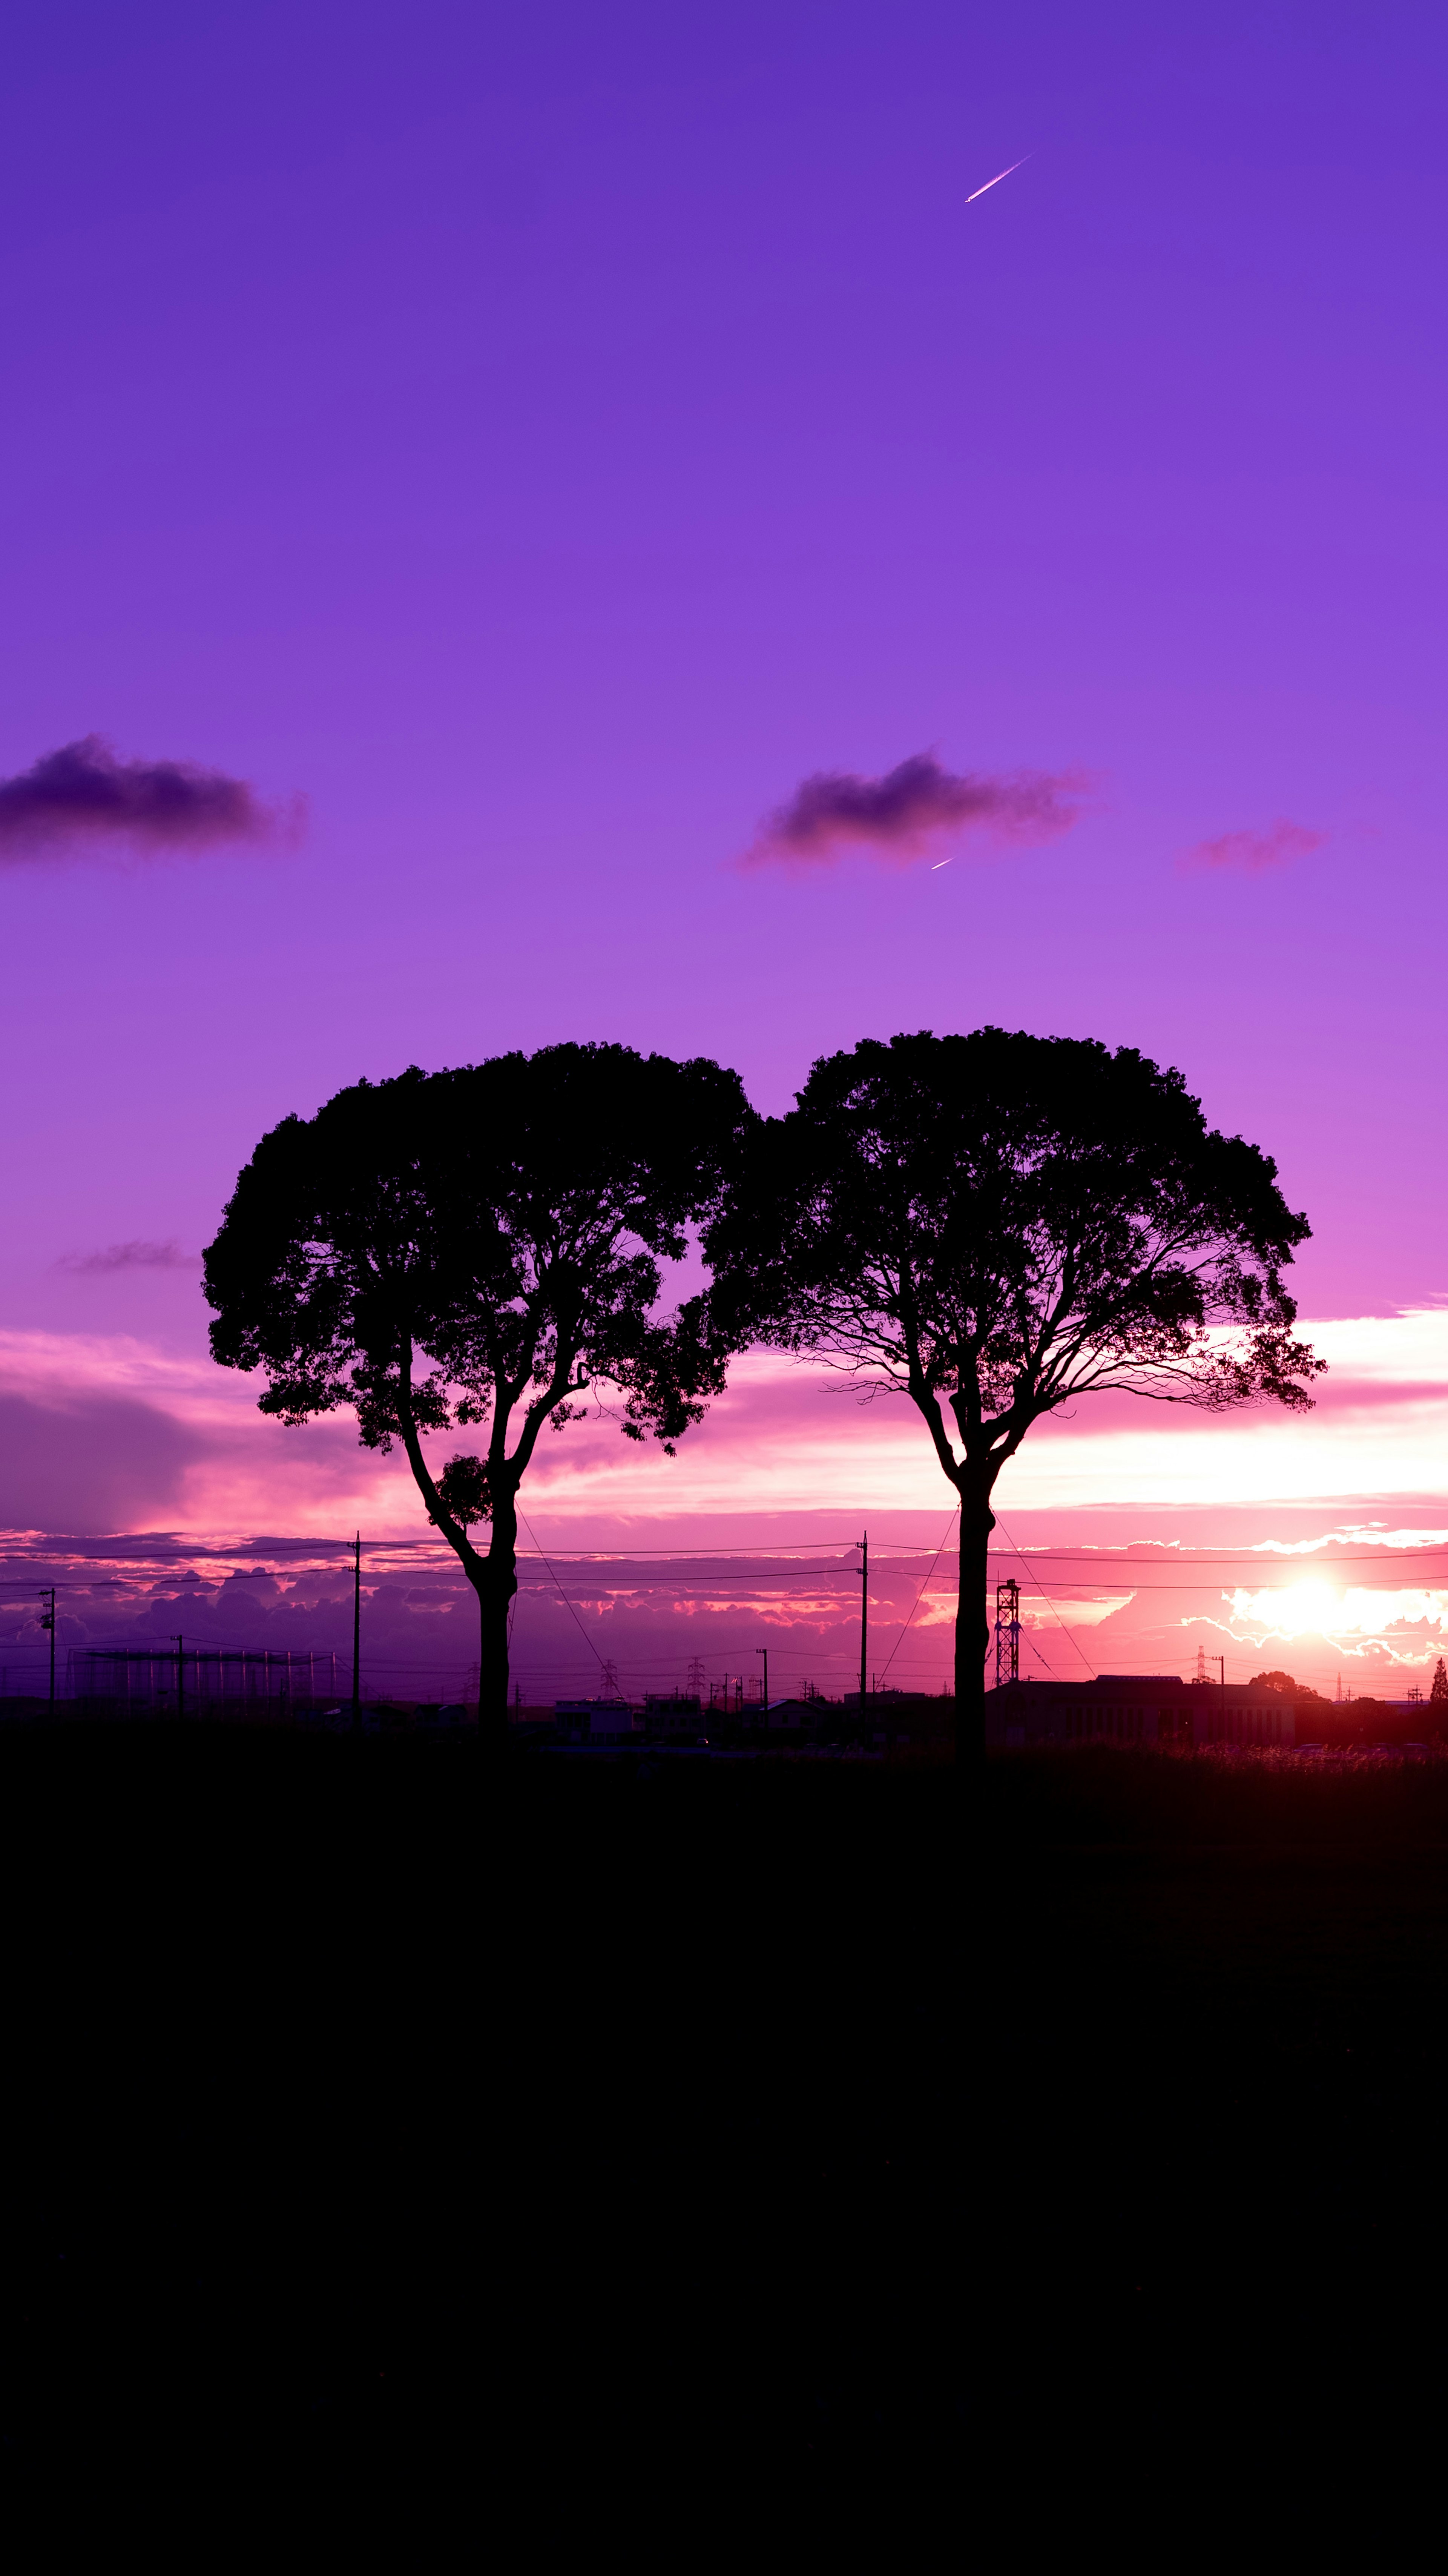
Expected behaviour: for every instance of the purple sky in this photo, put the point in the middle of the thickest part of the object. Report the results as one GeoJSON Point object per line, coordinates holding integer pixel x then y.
{"type": "Point", "coordinates": [544, 439]}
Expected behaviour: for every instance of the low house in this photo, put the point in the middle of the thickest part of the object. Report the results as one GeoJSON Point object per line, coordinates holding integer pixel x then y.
{"type": "Point", "coordinates": [901, 1718]}
{"type": "Point", "coordinates": [596, 1721]}
{"type": "Point", "coordinates": [449, 1713]}
{"type": "Point", "coordinates": [674, 1717]}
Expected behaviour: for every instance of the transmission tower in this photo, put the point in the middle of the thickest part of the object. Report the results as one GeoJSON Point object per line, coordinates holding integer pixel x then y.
{"type": "Point", "coordinates": [1008, 1633]}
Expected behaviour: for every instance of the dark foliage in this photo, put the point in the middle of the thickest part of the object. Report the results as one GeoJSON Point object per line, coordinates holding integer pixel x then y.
{"type": "Point", "coordinates": [481, 1248]}
{"type": "Point", "coordinates": [1284, 1685]}
{"type": "Point", "coordinates": [463, 1489]}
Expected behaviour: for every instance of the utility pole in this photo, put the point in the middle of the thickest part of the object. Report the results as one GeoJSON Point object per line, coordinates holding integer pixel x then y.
{"type": "Point", "coordinates": [357, 1635]}
{"type": "Point", "coordinates": [48, 1621]}
{"type": "Point", "coordinates": [764, 1719]}
{"type": "Point", "coordinates": [180, 1680]}
{"type": "Point", "coordinates": [864, 1547]}
{"type": "Point", "coordinates": [1221, 1662]}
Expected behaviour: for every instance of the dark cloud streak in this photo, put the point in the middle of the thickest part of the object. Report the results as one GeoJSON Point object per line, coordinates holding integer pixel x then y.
{"type": "Point", "coordinates": [129, 1256]}
{"type": "Point", "coordinates": [84, 794]}
{"type": "Point", "coordinates": [913, 808]}
{"type": "Point", "coordinates": [1252, 853]}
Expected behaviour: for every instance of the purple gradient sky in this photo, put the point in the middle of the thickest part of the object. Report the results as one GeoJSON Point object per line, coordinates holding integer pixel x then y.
{"type": "Point", "coordinates": [542, 438]}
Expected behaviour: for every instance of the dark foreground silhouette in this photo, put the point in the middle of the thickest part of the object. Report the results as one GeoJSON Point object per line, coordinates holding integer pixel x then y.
{"type": "Point", "coordinates": [378, 2114]}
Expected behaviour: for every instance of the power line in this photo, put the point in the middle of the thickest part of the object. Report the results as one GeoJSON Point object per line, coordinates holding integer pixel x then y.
{"type": "Point", "coordinates": [760, 1564]}
{"type": "Point", "coordinates": [920, 1595]}
{"type": "Point", "coordinates": [1066, 1587]}
{"type": "Point", "coordinates": [327, 1556]}
{"type": "Point", "coordinates": [567, 1604]}
{"type": "Point", "coordinates": [1055, 1613]}
{"type": "Point", "coordinates": [1089, 1556]}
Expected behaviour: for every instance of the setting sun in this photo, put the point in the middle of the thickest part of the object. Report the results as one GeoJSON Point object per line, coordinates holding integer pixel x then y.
{"type": "Point", "coordinates": [1314, 1607]}
{"type": "Point", "coordinates": [1309, 1608]}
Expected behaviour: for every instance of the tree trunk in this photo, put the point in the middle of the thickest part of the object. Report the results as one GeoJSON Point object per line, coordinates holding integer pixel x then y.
{"type": "Point", "coordinates": [496, 1581]}
{"type": "Point", "coordinates": [972, 1621]}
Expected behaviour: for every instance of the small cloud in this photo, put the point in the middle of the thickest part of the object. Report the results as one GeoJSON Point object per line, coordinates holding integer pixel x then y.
{"type": "Point", "coordinates": [1253, 851]}
{"type": "Point", "coordinates": [84, 794]}
{"type": "Point", "coordinates": [129, 1256]}
{"type": "Point", "coordinates": [912, 809]}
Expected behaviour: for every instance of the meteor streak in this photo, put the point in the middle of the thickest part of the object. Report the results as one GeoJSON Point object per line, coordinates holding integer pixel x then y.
{"type": "Point", "coordinates": [995, 182]}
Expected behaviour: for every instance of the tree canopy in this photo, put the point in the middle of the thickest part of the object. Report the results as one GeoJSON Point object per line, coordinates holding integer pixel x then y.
{"type": "Point", "coordinates": [480, 1248]}
{"type": "Point", "coordinates": [1283, 1684]}
{"type": "Point", "coordinates": [996, 1225]}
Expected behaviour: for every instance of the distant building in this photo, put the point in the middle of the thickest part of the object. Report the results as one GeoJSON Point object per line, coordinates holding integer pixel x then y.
{"type": "Point", "coordinates": [674, 1715]}
{"type": "Point", "coordinates": [220, 1679]}
{"type": "Point", "coordinates": [1138, 1708]}
{"type": "Point", "coordinates": [596, 1721]}
{"type": "Point", "coordinates": [901, 1718]}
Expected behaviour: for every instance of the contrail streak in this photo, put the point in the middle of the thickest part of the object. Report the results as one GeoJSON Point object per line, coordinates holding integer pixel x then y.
{"type": "Point", "coordinates": [995, 182]}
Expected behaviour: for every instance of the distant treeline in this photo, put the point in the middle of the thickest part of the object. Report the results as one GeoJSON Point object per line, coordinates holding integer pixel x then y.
{"type": "Point", "coordinates": [1370, 1721]}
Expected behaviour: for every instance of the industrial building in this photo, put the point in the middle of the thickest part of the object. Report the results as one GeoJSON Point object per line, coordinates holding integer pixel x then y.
{"type": "Point", "coordinates": [1138, 1708]}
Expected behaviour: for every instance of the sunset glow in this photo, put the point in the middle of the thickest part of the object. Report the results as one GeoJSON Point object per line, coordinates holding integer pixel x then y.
{"type": "Point", "coordinates": [1315, 1609]}
{"type": "Point", "coordinates": [324, 804]}
{"type": "Point", "coordinates": [724, 1281]}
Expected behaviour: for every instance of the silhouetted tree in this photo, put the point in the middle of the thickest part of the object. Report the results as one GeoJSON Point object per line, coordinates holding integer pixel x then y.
{"type": "Point", "coordinates": [995, 1225]}
{"type": "Point", "coordinates": [1439, 1690]}
{"type": "Point", "coordinates": [1284, 1685]}
{"type": "Point", "coordinates": [481, 1247]}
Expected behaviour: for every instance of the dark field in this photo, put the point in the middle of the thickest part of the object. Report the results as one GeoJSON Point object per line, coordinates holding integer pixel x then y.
{"type": "Point", "coordinates": [1216, 2112]}
{"type": "Point", "coordinates": [371, 2115]}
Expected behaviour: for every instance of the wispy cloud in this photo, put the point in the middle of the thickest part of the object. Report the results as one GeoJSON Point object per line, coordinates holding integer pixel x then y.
{"type": "Point", "coordinates": [1252, 852]}
{"type": "Point", "coordinates": [913, 808]}
{"type": "Point", "coordinates": [84, 795]}
{"type": "Point", "coordinates": [130, 1256]}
